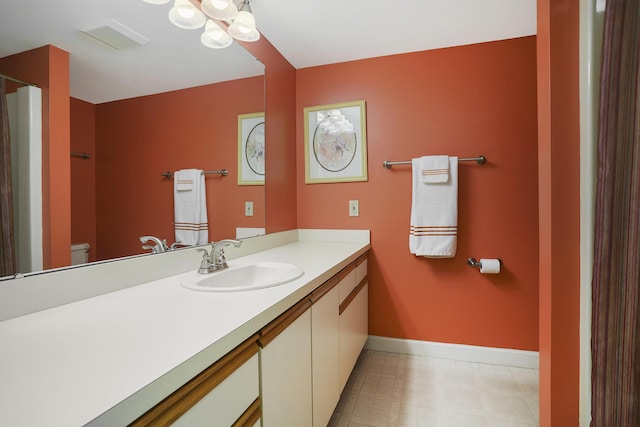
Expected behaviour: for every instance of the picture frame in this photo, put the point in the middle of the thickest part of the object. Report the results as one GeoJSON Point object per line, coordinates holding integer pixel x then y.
{"type": "Point", "coordinates": [335, 143]}
{"type": "Point", "coordinates": [251, 146]}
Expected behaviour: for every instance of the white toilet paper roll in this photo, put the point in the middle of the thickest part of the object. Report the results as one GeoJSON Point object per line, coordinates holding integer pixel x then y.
{"type": "Point", "coordinates": [490, 266]}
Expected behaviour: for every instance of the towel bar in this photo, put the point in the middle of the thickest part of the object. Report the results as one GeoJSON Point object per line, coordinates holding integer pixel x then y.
{"type": "Point", "coordinates": [481, 160]}
{"type": "Point", "coordinates": [222, 172]}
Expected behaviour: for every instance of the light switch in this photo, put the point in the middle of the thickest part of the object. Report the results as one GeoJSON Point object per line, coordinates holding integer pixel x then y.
{"type": "Point", "coordinates": [354, 208]}
{"type": "Point", "coordinates": [248, 208]}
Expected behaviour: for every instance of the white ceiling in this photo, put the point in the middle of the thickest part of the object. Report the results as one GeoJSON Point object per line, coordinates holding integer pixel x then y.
{"type": "Point", "coordinates": [306, 32]}
{"type": "Point", "coordinates": [311, 32]}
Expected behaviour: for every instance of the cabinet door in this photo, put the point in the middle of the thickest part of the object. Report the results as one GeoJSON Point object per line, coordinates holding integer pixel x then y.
{"type": "Point", "coordinates": [353, 332]}
{"type": "Point", "coordinates": [286, 376]}
{"type": "Point", "coordinates": [325, 356]}
{"type": "Point", "coordinates": [228, 401]}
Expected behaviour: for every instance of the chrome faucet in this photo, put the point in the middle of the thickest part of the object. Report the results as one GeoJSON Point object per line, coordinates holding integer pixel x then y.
{"type": "Point", "coordinates": [159, 247]}
{"type": "Point", "coordinates": [218, 261]}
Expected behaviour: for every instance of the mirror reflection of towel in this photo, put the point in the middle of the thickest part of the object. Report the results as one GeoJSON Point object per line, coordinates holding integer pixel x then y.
{"type": "Point", "coordinates": [184, 185]}
{"type": "Point", "coordinates": [190, 207]}
{"type": "Point", "coordinates": [433, 229]}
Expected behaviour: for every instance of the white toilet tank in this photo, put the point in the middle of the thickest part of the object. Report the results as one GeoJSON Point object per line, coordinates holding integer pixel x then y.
{"type": "Point", "coordinates": [79, 253]}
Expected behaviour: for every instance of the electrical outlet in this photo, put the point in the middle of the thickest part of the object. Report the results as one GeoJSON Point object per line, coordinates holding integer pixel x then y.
{"type": "Point", "coordinates": [354, 208]}
{"type": "Point", "coordinates": [248, 208]}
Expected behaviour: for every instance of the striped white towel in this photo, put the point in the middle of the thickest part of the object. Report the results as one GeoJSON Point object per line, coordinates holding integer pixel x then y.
{"type": "Point", "coordinates": [433, 230]}
{"type": "Point", "coordinates": [190, 207]}
{"type": "Point", "coordinates": [434, 169]}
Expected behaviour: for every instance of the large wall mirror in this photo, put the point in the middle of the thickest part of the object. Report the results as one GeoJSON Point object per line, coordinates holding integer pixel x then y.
{"type": "Point", "coordinates": [140, 111]}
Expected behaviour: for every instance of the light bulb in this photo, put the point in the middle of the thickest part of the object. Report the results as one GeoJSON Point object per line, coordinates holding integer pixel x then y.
{"type": "Point", "coordinates": [223, 10]}
{"type": "Point", "coordinates": [244, 27]}
{"type": "Point", "coordinates": [185, 15]}
{"type": "Point", "coordinates": [220, 4]}
{"type": "Point", "coordinates": [215, 37]}
{"type": "Point", "coordinates": [187, 12]}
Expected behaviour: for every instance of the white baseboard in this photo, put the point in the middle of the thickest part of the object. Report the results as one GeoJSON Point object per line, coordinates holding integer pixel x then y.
{"type": "Point", "coordinates": [468, 353]}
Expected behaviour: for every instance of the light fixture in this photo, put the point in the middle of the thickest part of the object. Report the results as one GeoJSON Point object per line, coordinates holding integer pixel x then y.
{"type": "Point", "coordinates": [223, 10]}
{"type": "Point", "coordinates": [185, 15]}
{"type": "Point", "coordinates": [240, 24]}
{"type": "Point", "coordinates": [243, 27]}
{"type": "Point", "coordinates": [214, 36]}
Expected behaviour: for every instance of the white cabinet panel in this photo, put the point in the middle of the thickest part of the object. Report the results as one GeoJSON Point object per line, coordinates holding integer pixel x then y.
{"type": "Point", "coordinates": [353, 333]}
{"type": "Point", "coordinates": [347, 284]}
{"type": "Point", "coordinates": [361, 271]}
{"type": "Point", "coordinates": [325, 356]}
{"type": "Point", "coordinates": [286, 376]}
{"type": "Point", "coordinates": [225, 403]}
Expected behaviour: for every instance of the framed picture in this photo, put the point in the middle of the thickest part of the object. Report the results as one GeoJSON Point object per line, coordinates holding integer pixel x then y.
{"type": "Point", "coordinates": [251, 149]}
{"type": "Point", "coordinates": [335, 143]}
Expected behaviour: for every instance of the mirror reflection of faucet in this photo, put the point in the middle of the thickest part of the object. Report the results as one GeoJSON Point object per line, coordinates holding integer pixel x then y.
{"type": "Point", "coordinates": [159, 246]}
{"type": "Point", "coordinates": [178, 245]}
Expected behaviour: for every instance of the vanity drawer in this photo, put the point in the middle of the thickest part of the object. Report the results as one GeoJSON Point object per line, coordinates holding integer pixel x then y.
{"type": "Point", "coordinates": [347, 284]}
{"type": "Point", "coordinates": [361, 268]}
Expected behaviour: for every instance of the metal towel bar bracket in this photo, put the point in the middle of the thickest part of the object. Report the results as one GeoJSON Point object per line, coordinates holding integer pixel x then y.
{"type": "Point", "coordinates": [84, 156]}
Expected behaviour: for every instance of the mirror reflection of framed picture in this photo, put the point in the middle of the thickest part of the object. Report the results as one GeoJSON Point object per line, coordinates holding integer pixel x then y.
{"type": "Point", "coordinates": [335, 143]}
{"type": "Point", "coordinates": [251, 167]}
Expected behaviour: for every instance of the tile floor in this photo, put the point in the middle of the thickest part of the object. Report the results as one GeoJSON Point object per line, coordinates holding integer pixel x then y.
{"type": "Point", "coordinates": [389, 389]}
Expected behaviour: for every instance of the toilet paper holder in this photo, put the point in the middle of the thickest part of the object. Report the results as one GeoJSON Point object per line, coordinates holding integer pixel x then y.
{"type": "Point", "coordinates": [472, 262]}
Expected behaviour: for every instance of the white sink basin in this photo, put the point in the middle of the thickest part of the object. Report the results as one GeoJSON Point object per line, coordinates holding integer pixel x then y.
{"type": "Point", "coordinates": [243, 277]}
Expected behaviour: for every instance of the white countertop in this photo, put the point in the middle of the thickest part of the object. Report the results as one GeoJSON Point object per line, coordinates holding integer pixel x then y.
{"type": "Point", "coordinates": [115, 355]}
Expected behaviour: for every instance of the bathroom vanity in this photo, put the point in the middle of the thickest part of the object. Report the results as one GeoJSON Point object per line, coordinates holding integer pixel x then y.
{"type": "Point", "coordinates": [159, 353]}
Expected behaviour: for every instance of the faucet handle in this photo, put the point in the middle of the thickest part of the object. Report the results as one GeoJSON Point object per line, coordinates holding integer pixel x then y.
{"type": "Point", "coordinates": [221, 262]}
{"type": "Point", "coordinates": [205, 264]}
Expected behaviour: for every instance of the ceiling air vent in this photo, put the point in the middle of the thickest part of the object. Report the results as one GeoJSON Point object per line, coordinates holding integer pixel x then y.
{"type": "Point", "coordinates": [117, 36]}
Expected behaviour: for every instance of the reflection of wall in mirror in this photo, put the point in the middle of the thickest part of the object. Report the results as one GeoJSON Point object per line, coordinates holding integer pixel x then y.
{"type": "Point", "coordinates": [83, 175]}
{"type": "Point", "coordinates": [137, 139]}
{"type": "Point", "coordinates": [48, 67]}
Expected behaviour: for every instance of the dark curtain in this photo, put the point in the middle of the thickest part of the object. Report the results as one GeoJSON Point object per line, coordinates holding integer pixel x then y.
{"type": "Point", "coordinates": [7, 247]}
{"type": "Point", "coordinates": [616, 275]}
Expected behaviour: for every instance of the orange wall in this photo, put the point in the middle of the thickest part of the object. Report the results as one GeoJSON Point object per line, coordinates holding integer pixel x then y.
{"type": "Point", "coordinates": [280, 82]}
{"type": "Point", "coordinates": [464, 101]}
{"type": "Point", "coordinates": [83, 175]}
{"type": "Point", "coordinates": [48, 67]}
{"type": "Point", "coordinates": [138, 138]}
{"type": "Point", "coordinates": [559, 204]}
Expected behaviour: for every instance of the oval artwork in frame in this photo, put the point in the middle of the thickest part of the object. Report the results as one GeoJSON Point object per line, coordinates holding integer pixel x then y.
{"type": "Point", "coordinates": [335, 143]}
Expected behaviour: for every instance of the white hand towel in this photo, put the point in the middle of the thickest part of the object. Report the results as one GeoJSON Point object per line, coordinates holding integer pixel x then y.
{"type": "Point", "coordinates": [434, 169]}
{"type": "Point", "coordinates": [184, 184]}
{"type": "Point", "coordinates": [190, 207]}
{"type": "Point", "coordinates": [434, 213]}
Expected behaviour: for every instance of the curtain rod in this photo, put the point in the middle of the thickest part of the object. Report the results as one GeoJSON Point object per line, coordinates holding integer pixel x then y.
{"type": "Point", "coordinates": [22, 82]}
